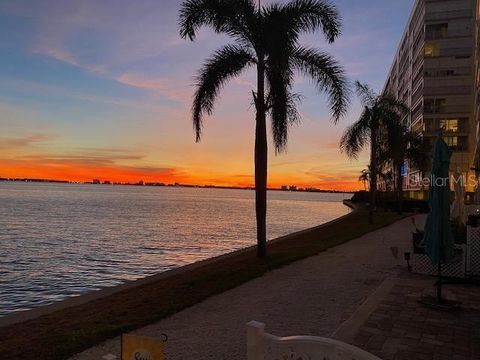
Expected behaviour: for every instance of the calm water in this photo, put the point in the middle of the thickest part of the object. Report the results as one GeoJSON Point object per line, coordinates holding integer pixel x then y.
{"type": "Point", "coordinates": [59, 240]}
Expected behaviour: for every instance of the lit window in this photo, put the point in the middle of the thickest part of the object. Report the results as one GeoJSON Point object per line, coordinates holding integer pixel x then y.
{"type": "Point", "coordinates": [451, 141]}
{"type": "Point", "coordinates": [431, 50]}
{"type": "Point", "coordinates": [450, 125]}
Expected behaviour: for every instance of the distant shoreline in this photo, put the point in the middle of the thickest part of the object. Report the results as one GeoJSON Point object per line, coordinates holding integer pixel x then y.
{"type": "Point", "coordinates": [160, 184]}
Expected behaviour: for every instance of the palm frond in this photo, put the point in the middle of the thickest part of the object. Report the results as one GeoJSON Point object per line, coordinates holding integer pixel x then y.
{"type": "Point", "coordinates": [365, 175]}
{"type": "Point", "coordinates": [278, 36]}
{"type": "Point", "coordinates": [225, 64]}
{"type": "Point", "coordinates": [281, 102]}
{"type": "Point", "coordinates": [417, 152]}
{"type": "Point", "coordinates": [283, 112]}
{"type": "Point", "coordinates": [233, 17]}
{"type": "Point", "coordinates": [356, 136]}
{"type": "Point", "coordinates": [393, 104]}
{"type": "Point", "coordinates": [396, 138]}
{"type": "Point", "coordinates": [312, 15]}
{"type": "Point", "coordinates": [328, 76]}
{"type": "Point", "coordinates": [366, 94]}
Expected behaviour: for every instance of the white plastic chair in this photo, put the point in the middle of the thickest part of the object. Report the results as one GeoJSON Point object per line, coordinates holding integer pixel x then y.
{"type": "Point", "coordinates": [263, 346]}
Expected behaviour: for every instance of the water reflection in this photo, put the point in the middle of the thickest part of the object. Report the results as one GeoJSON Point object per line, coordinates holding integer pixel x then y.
{"type": "Point", "coordinates": [60, 240]}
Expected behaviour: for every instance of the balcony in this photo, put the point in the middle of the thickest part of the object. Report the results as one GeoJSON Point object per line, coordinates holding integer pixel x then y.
{"type": "Point", "coordinates": [417, 95]}
{"type": "Point", "coordinates": [434, 50]}
{"type": "Point", "coordinates": [447, 90]}
{"type": "Point", "coordinates": [447, 15]}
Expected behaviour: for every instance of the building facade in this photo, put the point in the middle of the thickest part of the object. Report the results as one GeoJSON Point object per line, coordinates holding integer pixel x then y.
{"type": "Point", "coordinates": [433, 72]}
{"type": "Point", "coordinates": [477, 88]}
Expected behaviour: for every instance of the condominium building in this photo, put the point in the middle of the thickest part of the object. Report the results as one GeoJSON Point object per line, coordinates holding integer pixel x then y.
{"type": "Point", "coordinates": [477, 88]}
{"type": "Point", "coordinates": [433, 72]}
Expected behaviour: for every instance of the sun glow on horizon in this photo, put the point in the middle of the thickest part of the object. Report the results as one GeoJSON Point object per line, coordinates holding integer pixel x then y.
{"type": "Point", "coordinates": [83, 98]}
{"type": "Point", "coordinates": [132, 175]}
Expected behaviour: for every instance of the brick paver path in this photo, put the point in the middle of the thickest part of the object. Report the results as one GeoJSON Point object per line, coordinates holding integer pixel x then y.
{"type": "Point", "coordinates": [402, 329]}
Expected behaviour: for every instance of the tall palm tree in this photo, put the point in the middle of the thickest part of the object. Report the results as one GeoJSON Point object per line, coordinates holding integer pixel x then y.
{"type": "Point", "coordinates": [368, 129]}
{"type": "Point", "coordinates": [266, 38]}
{"type": "Point", "coordinates": [401, 145]}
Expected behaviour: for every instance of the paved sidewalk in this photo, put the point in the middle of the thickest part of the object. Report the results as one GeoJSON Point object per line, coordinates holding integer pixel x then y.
{"type": "Point", "coordinates": [402, 329]}
{"type": "Point", "coordinates": [309, 297]}
{"type": "Point", "coordinates": [316, 295]}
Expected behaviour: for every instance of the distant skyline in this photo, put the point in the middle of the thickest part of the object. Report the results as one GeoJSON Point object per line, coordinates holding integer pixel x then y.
{"type": "Point", "coordinates": [103, 90]}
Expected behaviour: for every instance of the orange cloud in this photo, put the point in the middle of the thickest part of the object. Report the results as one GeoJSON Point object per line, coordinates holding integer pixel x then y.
{"type": "Point", "coordinates": [81, 170]}
{"type": "Point", "coordinates": [32, 156]}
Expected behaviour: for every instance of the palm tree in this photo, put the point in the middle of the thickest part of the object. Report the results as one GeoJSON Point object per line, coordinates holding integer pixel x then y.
{"type": "Point", "coordinates": [368, 129]}
{"type": "Point", "coordinates": [364, 177]}
{"type": "Point", "coordinates": [401, 145]}
{"type": "Point", "coordinates": [266, 38]}
{"type": "Point", "coordinates": [387, 177]}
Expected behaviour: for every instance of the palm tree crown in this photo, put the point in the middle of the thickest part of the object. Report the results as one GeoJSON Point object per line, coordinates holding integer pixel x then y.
{"type": "Point", "coordinates": [400, 145]}
{"type": "Point", "coordinates": [379, 110]}
{"type": "Point", "coordinates": [266, 38]}
{"type": "Point", "coordinates": [269, 37]}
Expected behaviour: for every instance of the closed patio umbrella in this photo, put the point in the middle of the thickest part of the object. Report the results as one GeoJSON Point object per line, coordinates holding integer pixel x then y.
{"type": "Point", "coordinates": [438, 236]}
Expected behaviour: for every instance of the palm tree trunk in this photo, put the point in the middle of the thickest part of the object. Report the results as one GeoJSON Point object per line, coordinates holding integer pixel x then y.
{"type": "Point", "coordinates": [399, 189]}
{"type": "Point", "coordinates": [394, 176]}
{"type": "Point", "coordinates": [261, 162]}
{"type": "Point", "coordinates": [373, 172]}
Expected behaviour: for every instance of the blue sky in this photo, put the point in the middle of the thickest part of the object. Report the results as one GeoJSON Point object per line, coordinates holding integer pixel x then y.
{"type": "Point", "coordinates": [106, 86]}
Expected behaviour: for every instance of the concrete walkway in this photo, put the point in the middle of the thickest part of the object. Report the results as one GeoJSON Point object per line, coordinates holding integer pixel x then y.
{"type": "Point", "coordinates": [310, 297]}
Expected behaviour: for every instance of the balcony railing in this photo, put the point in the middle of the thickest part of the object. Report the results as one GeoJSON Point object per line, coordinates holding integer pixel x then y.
{"type": "Point", "coordinates": [447, 90]}
{"type": "Point", "coordinates": [444, 15]}
{"type": "Point", "coordinates": [446, 52]}
{"type": "Point", "coordinates": [417, 95]}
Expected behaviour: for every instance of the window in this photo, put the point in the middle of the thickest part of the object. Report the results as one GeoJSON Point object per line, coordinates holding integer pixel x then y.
{"type": "Point", "coordinates": [434, 106]}
{"type": "Point", "coordinates": [431, 50]}
{"type": "Point", "coordinates": [454, 125]}
{"type": "Point", "coordinates": [448, 72]}
{"type": "Point", "coordinates": [429, 106]}
{"type": "Point", "coordinates": [430, 125]}
{"type": "Point", "coordinates": [459, 143]}
{"type": "Point", "coordinates": [450, 125]}
{"type": "Point", "coordinates": [436, 31]}
{"type": "Point", "coordinates": [451, 141]}
{"type": "Point", "coordinates": [439, 73]}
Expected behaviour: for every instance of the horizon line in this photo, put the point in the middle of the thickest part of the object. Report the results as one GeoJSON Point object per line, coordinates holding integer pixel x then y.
{"type": "Point", "coordinates": [291, 188]}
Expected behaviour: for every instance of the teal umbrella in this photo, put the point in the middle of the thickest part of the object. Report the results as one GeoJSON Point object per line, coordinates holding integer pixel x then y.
{"type": "Point", "coordinates": [438, 237]}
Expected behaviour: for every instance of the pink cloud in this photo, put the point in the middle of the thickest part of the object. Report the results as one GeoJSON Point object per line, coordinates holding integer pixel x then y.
{"type": "Point", "coordinates": [162, 87]}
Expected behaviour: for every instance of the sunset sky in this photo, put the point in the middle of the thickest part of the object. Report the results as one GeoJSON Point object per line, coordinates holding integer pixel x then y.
{"type": "Point", "coordinates": [102, 89]}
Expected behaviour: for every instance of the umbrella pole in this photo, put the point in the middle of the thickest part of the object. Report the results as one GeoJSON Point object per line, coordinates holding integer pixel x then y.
{"type": "Point", "coordinates": [439, 281]}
